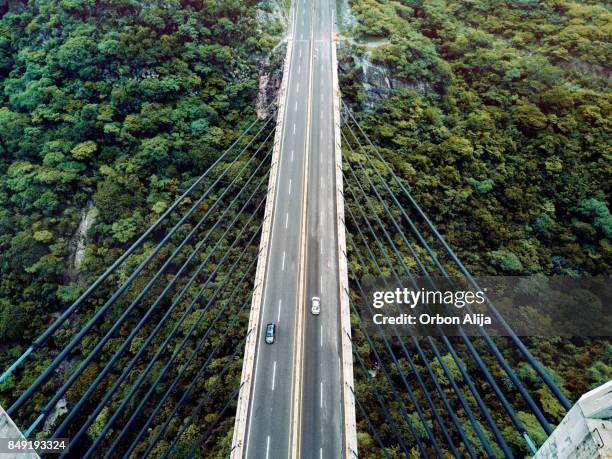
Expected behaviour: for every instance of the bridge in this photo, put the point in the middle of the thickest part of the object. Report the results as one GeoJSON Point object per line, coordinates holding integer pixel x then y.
{"type": "Point", "coordinates": [292, 401]}
{"type": "Point", "coordinates": [164, 354]}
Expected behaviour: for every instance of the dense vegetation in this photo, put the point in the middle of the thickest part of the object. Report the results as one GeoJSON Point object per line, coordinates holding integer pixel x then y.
{"type": "Point", "coordinates": [497, 117]}
{"type": "Point", "coordinates": [509, 146]}
{"type": "Point", "coordinates": [110, 109]}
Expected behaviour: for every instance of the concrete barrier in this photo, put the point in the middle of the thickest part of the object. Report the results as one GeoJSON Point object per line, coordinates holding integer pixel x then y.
{"type": "Point", "coordinates": [348, 398]}
{"type": "Point", "coordinates": [8, 430]}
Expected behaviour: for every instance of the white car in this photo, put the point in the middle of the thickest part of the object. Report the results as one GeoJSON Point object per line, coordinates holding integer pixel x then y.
{"type": "Point", "coordinates": [270, 332]}
{"type": "Point", "coordinates": [315, 305]}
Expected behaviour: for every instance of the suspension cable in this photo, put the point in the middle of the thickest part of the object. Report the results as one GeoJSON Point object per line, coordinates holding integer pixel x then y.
{"type": "Point", "coordinates": [157, 355]}
{"type": "Point", "coordinates": [398, 399]}
{"type": "Point", "coordinates": [185, 394]}
{"type": "Point", "coordinates": [176, 301]}
{"type": "Point", "coordinates": [483, 367]}
{"type": "Point", "coordinates": [155, 385]}
{"type": "Point", "coordinates": [40, 340]}
{"type": "Point", "coordinates": [47, 409]}
{"type": "Point", "coordinates": [204, 397]}
{"type": "Point", "coordinates": [517, 341]}
{"type": "Point", "coordinates": [381, 403]}
{"type": "Point", "coordinates": [212, 425]}
{"type": "Point", "coordinates": [101, 312]}
{"type": "Point", "coordinates": [491, 344]}
{"type": "Point", "coordinates": [424, 389]}
{"type": "Point", "coordinates": [420, 351]}
{"type": "Point", "coordinates": [500, 439]}
{"type": "Point", "coordinates": [370, 425]}
{"type": "Point", "coordinates": [413, 367]}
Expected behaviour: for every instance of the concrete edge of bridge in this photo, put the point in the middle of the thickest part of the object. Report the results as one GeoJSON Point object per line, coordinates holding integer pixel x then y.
{"type": "Point", "coordinates": [10, 431]}
{"type": "Point", "coordinates": [348, 398]}
{"type": "Point", "coordinates": [248, 365]}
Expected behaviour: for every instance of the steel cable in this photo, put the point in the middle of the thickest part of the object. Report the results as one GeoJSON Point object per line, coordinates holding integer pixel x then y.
{"type": "Point", "coordinates": [212, 424]}
{"type": "Point", "coordinates": [396, 396]}
{"type": "Point", "coordinates": [181, 401]}
{"type": "Point", "coordinates": [500, 439]}
{"type": "Point", "coordinates": [154, 386]}
{"type": "Point", "coordinates": [388, 416]}
{"type": "Point", "coordinates": [371, 426]}
{"type": "Point", "coordinates": [420, 351]}
{"type": "Point", "coordinates": [481, 364]}
{"type": "Point", "coordinates": [101, 312]}
{"type": "Point", "coordinates": [59, 393]}
{"type": "Point", "coordinates": [150, 365]}
{"type": "Point", "coordinates": [517, 341]}
{"type": "Point", "coordinates": [68, 312]}
{"type": "Point", "coordinates": [490, 343]}
{"type": "Point", "coordinates": [143, 347]}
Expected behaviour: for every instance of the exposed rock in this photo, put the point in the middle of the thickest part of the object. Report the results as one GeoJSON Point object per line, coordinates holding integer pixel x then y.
{"type": "Point", "coordinates": [60, 409]}
{"type": "Point", "coordinates": [346, 20]}
{"type": "Point", "coordinates": [270, 77]}
{"type": "Point", "coordinates": [272, 18]}
{"type": "Point", "coordinates": [377, 81]}
{"type": "Point", "coordinates": [77, 244]}
{"type": "Point", "coordinates": [262, 96]}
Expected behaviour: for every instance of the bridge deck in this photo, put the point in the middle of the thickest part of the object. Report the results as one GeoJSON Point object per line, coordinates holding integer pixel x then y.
{"type": "Point", "coordinates": [295, 386]}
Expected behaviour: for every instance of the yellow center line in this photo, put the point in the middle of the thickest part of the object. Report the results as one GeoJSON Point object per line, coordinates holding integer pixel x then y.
{"type": "Point", "coordinates": [297, 414]}
{"type": "Point", "coordinates": [295, 430]}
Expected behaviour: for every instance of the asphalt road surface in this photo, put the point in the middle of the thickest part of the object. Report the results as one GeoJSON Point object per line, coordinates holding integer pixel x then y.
{"type": "Point", "coordinates": [295, 407]}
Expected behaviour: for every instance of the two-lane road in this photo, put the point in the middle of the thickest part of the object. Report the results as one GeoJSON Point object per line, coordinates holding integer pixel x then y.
{"type": "Point", "coordinates": [295, 405]}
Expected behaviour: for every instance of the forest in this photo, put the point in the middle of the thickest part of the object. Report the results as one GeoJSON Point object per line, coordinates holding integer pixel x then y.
{"type": "Point", "coordinates": [496, 116]}
{"type": "Point", "coordinates": [109, 110]}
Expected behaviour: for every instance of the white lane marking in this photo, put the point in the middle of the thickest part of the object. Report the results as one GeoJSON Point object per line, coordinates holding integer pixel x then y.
{"type": "Point", "coordinates": [295, 108]}
{"type": "Point", "coordinates": [287, 219]}
{"type": "Point", "coordinates": [289, 187]}
{"type": "Point", "coordinates": [280, 306]}
{"type": "Point", "coordinates": [321, 245]}
{"type": "Point", "coordinates": [321, 335]}
{"type": "Point", "coordinates": [294, 128]}
{"type": "Point", "coordinates": [283, 267]}
{"type": "Point", "coordinates": [268, 447]}
{"type": "Point", "coordinates": [321, 394]}
{"type": "Point", "coordinates": [298, 88]}
{"type": "Point", "coordinates": [321, 185]}
{"type": "Point", "coordinates": [321, 453]}
{"type": "Point", "coordinates": [300, 52]}
{"type": "Point", "coordinates": [273, 376]}
{"type": "Point", "coordinates": [299, 68]}
{"type": "Point", "coordinates": [291, 155]}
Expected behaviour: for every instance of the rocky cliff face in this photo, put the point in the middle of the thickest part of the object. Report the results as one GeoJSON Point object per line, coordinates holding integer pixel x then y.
{"type": "Point", "coordinates": [270, 77]}
{"type": "Point", "coordinates": [272, 19]}
{"type": "Point", "coordinates": [355, 57]}
{"type": "Point", "coordinates": [77, 244]}
{"type": "Point", "coordinates": [73, 274]}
